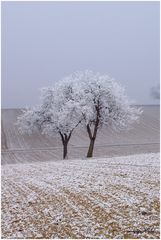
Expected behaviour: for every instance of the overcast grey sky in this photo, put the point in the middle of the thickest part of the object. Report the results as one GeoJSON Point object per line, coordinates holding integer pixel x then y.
{"type": "Point", "coordinates": [44, 41]}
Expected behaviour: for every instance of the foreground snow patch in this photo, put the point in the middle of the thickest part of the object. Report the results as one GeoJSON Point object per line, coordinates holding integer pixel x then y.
{"type": "Point", "coordinates": [91, 198]}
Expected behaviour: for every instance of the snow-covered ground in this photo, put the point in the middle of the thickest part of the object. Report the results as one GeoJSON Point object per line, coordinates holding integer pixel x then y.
{"type": "Point", "coordinates": [92, 198]}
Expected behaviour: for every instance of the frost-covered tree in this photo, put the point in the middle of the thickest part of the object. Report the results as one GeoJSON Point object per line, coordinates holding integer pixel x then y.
{"type": "Point", "coordinates": [91, 99]}
{"type": "Point", "coordinates": [102, 102]}
{"type": "Point", "coordinates": [155, 92]}
{"type": "Point", "coordinates": [57, 113]}
{"type": "Point", "coordinates": [64, 113]}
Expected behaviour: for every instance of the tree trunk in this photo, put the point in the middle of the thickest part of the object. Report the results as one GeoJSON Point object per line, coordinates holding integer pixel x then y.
{"type": "Point", "coordinates": [92, 137]}
{"type": "Point", "coordinates": [91, 147]}
{"type": "Point", "coordinates": [65, 140]}
{"type": "Point", "coordinates": [65, 151]}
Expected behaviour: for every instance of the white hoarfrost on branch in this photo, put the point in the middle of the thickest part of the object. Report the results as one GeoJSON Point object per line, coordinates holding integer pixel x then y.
{"type": "Point", "coordinates": [83, 98]}
{"type": "Point", "coordinates": [57, 113]}
{"type": "Point", "coordinates": [103, 102]}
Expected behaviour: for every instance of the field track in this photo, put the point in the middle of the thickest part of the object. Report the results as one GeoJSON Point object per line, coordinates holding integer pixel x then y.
{"type": "Point", "coordinates": [143, 138]}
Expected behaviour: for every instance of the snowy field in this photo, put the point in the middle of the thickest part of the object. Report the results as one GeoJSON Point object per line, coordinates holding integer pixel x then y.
{"type": "Point", "coordinates": [96, 198]}
{"type": "Point", "coordinates": [115, 197]}
{"type": "Point", "coordinates": [17, 148]}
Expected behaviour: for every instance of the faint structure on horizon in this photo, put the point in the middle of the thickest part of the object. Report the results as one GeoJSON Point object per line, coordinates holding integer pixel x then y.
{"type": "Point", "coordinates": [155, 92]}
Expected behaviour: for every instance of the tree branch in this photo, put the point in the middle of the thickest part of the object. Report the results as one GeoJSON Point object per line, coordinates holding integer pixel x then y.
{"type": "Point", "coordinates": [89, 131]}
{"type": "Point", "coordinates": [62, 137]}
